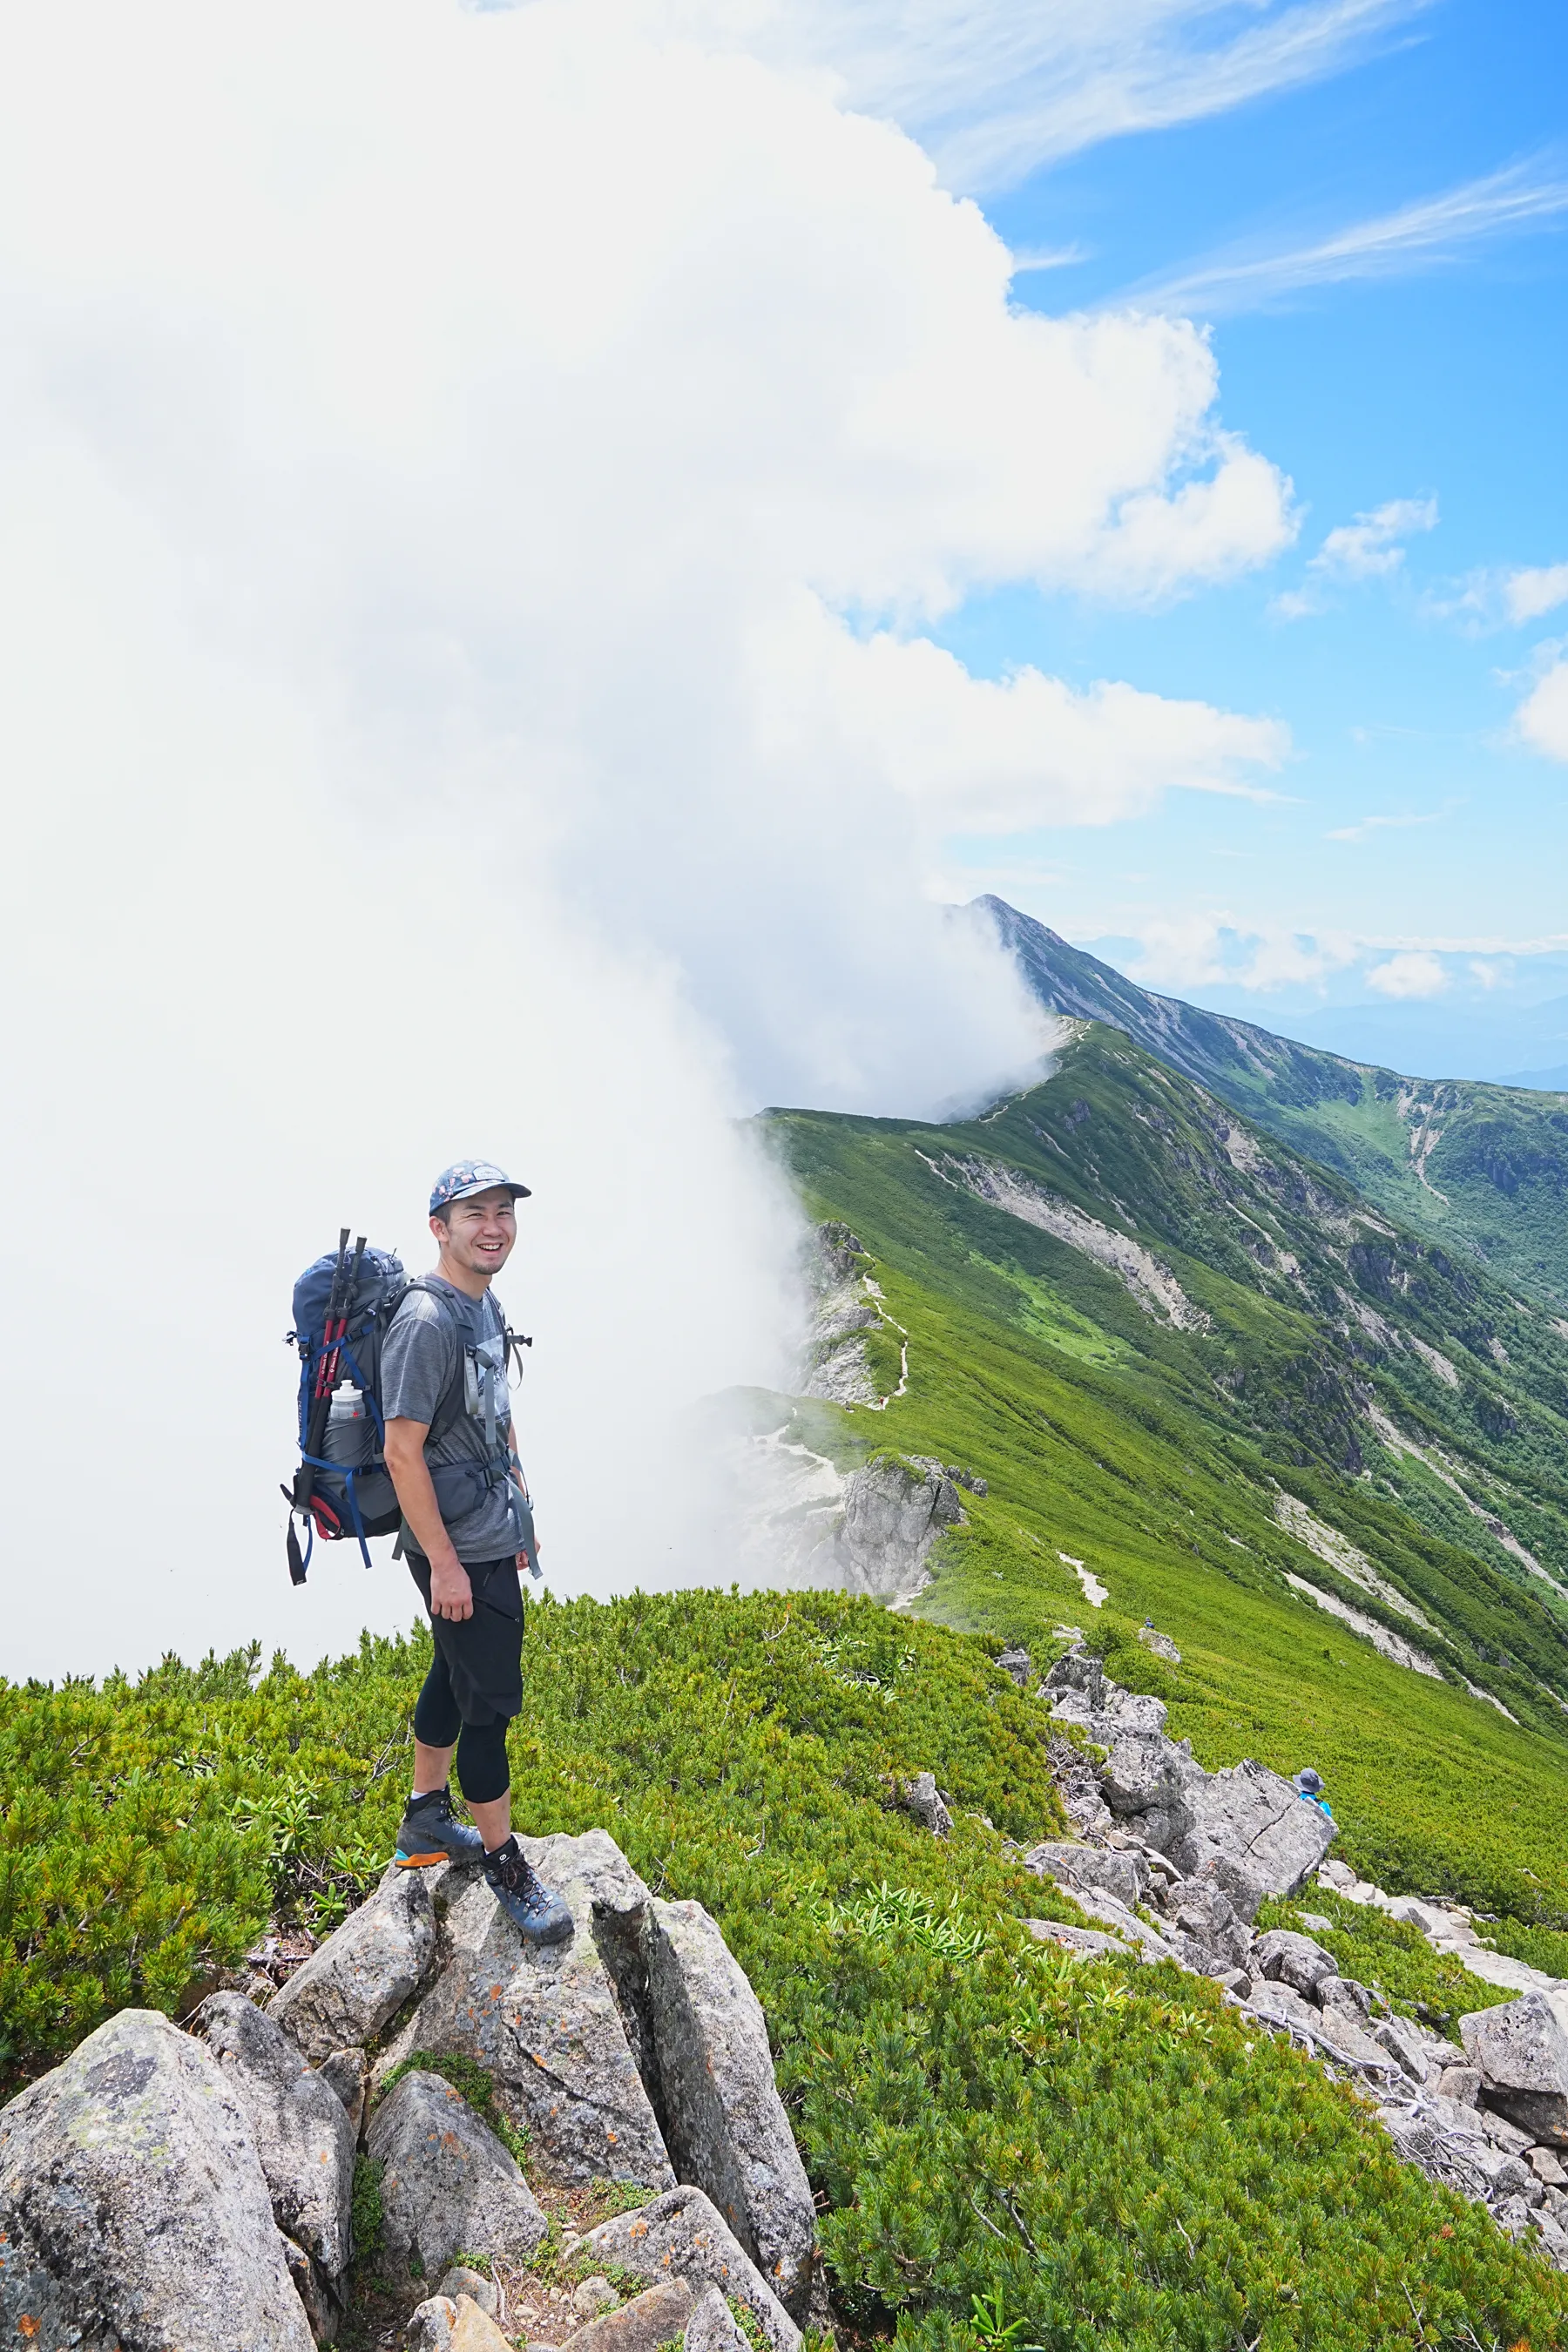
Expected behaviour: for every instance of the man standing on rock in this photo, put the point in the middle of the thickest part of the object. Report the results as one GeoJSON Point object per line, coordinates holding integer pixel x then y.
{"type": "Point", "coordinates": [453, 1462]}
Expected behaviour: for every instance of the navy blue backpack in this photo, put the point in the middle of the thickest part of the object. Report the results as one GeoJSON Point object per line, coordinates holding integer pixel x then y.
{"type": "Point", "coordinates": [343, 1306]}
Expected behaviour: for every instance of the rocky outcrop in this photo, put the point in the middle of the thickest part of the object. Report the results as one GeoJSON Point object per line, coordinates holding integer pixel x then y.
{"type": "Point", "coordinates": [1246, 1826]}
{"type": "Point", "coordinates": [635, 2051]}
{"type": "Point", "coordinates": [894, 1510]}
{"type": "Point", "coordinates": [922, 1798]}
{"type": "Point", "coordinates": [548, 2025]}
{"type": "Point", "coordinates": [1294, 1961]}
{"type": "Point", "coordinates": [724, 2122]}
{"type": "Point", "coordinates": [682, 2235]}
{"type": "Point", "coordinates": [840, 1369]}
{"type": "Point", "coordinates": [1521, 2054]}
{"type": "Point", "coordinates": [1124, 1875]}
{"type": "Point", "coordinates": [303, 2135]}
{"type": "Point", "coordinates": [356, 1983]}
{"type": "Point", "coordinates": [711, 2326]}
{"type": "Point", "coordinates": [192, 2191]}
{"type": "Point", "coordinates": [448, 2184]}
{"type": "Point", "coordinates": [453, 2324]}
{"type": "Point", "coordinates": [658, 2316]}
{"type": "Point", "coordinates": [1158, 1835]}
{"type": "Point", "coordinates": [133, 2205]}
{"type": "Point", "coordinates": [1259, 1820]}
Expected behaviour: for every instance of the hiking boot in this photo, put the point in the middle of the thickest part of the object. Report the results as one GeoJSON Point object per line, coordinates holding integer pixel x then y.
{"type": "Point", "coordinates": [539, 1916]}
{"type": "Point", "coordinates": [431, 1833]}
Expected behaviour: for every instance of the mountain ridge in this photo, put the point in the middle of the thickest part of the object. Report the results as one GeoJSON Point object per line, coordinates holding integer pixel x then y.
{"type": "Point", "coordinates": [1203, 1377]}
{"type": "Point", "coordinates": [1483, 1165]}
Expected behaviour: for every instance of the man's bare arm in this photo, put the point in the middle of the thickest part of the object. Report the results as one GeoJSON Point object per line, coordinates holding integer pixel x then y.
{"type": "Point", "coordinates": [451, 1594]}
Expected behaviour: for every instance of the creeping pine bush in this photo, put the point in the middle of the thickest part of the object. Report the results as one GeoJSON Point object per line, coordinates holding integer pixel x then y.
{"type": "Point", "coordinates": [1101, 2155]}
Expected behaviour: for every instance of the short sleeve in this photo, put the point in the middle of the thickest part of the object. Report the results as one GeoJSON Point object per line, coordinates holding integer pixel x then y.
{"type": "Point", "coordinates": [418, 1358]}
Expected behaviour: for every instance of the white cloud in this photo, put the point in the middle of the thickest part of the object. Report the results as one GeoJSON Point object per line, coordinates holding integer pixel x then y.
{"type": "Point", "coordinates": [1296, 604]}
{"type": "Point", "coordinates": [1529, 593]}
{"type": "Point", "coordinates": [1543, 717]}
{"type": "Point", "coordinates": [1208, 950]}
{"type": "Point", "coordinates": [1413, 974]}
{"type": "Point", "coordinates": [438, 445]}
{"type": "Point", "coordinates": [1369, 547]}
{"type": "Point", "coordinates": [993, 90]}
{"type": "Point", "coordinates": [1417, 235]}
{"type": "Point", "coordinates": [1055, 257]}
{"type": "Point", "coordinates": [979, 756]}
{"type": "Point", "coordinates": [1368, 825]}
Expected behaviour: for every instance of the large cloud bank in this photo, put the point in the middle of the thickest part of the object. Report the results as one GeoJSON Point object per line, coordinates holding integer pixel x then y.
{"type": "Point", "coordinates": [473, 485]}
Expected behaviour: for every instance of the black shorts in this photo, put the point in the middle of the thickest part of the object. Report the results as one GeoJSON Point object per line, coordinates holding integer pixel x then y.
{"type": "Point", "coordinates": [482, 1654]}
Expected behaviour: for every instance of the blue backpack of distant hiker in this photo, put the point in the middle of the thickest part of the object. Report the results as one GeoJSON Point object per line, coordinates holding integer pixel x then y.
{"type": "Point", "coordinates": [344, 1306]}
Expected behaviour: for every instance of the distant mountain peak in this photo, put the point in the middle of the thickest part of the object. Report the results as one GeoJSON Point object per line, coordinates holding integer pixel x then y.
{"type": "Point", "coordinates": [1484, 1165]}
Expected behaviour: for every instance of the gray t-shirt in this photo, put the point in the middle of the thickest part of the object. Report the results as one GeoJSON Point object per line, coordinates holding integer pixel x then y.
{"type": "Point", "coordinates": [430, 1343]}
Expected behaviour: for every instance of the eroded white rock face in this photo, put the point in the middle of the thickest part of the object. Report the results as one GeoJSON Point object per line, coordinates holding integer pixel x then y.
{"type": "Point", "coordinates": [140, 2130]}
{"type": "Point", "coordinates": [894, 1510]}
{"type": "Point", "coordinates": [1393, 1646]}
{"type": "Point", "coordinates": [1338, 1552]}
{"type": "Point", "coordinates": [1150, 1284]}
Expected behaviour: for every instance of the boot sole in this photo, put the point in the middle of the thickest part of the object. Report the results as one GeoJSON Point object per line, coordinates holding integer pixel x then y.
{"type": "Point", "coordinates": [420, 1861]}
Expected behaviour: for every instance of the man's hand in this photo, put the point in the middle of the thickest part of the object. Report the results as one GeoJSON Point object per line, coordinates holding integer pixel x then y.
{"type": "Point", "coordinates": [451, 1594]}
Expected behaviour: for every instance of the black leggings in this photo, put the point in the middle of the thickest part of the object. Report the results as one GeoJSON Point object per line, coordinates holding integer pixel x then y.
{"type": "Point", "coordinates": [484, 1773]}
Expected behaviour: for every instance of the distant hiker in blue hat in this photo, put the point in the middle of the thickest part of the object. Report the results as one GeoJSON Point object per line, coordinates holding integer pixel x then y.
{"type": "Point", "coordinates": [467, 1529]}
{"type": "Point", "coordinates": [1308, 1786]}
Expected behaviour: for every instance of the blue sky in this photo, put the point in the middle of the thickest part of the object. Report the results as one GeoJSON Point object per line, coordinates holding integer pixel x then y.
{"type": "Point", "coordinates": [1423, 370]}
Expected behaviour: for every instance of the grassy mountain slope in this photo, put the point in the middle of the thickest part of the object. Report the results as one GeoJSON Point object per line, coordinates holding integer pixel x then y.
{"type": "Point", "coordinates": [1484, 1166]}
{"type": "Point", "coordinates": [1306, 1357]}
{"type": "Point", "coordinates": [1106, 2156]}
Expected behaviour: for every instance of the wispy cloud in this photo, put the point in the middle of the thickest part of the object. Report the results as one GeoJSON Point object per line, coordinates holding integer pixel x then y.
{"type": "Point", "coordinates": [1370, 548]}
{"type": "Point", "coordinates": [1370, 825]}
{"type": "Point", "coordinates": [1494, 598]}
{"type": "Point", "coordinates": [1057, 256]}
{"type": "Point", "coordinates": [993, 90]}
{"type": "Point", "coordinates": [1418, 236]}
{"type": "Point", "coordinates": [1529, 594]}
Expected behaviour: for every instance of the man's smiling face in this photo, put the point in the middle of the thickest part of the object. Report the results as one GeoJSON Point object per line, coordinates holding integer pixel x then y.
{"type": "Point", "coordinates": [479, 1232]}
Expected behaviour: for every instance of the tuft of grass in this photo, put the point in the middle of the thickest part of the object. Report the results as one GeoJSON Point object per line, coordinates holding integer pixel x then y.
{"type": "Point", "coordinates": [367, 2215]}
{"type": "Point", "coordinates": [476, 2086]}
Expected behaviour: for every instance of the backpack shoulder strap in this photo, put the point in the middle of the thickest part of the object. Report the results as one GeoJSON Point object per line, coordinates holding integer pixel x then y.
{"type": "Point", "coordinates": [449, 1405]}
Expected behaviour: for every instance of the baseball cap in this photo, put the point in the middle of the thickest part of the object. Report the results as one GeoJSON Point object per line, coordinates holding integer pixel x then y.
{"type": "Point", "coordinates": [466, 1177]}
